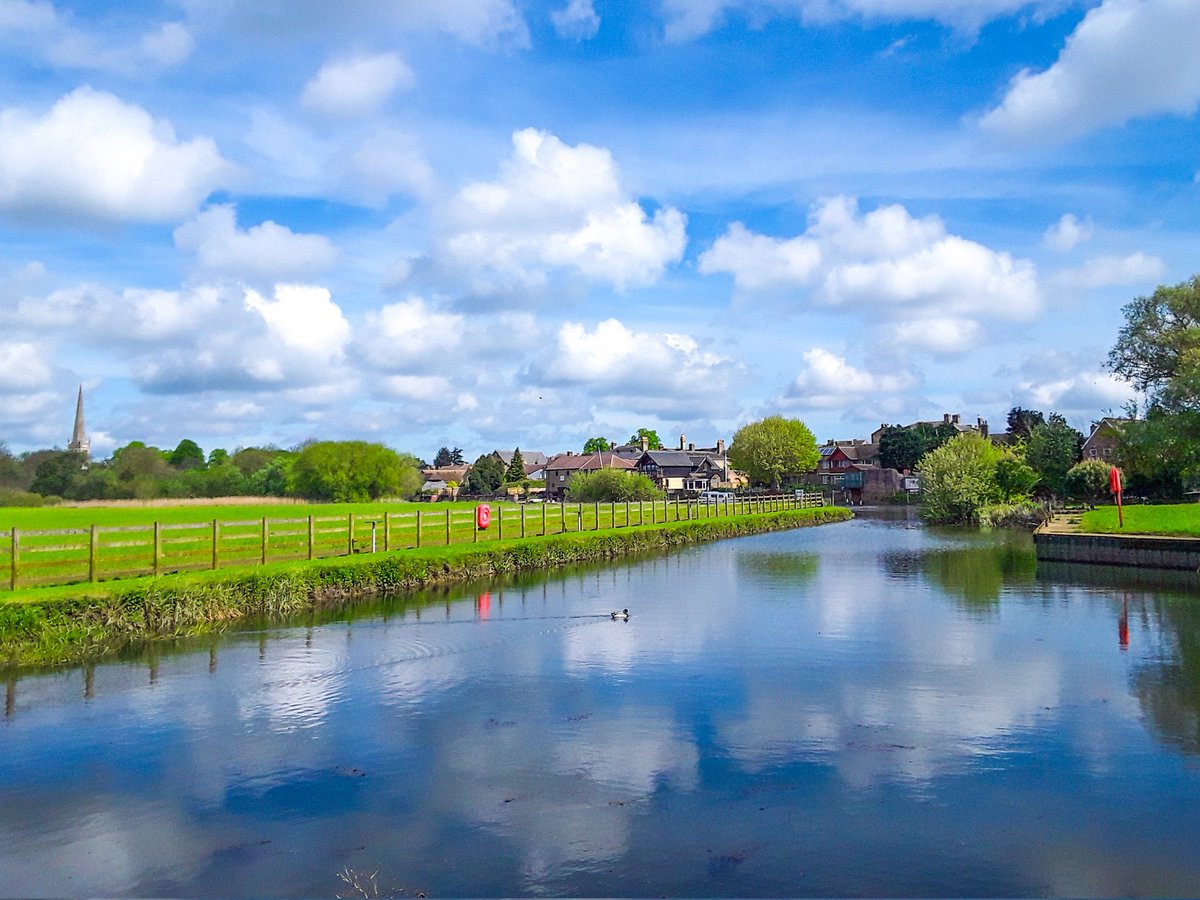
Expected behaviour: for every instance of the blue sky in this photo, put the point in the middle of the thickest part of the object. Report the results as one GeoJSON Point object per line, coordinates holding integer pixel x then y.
{"type": "Point", "coordinates": [488, 223]}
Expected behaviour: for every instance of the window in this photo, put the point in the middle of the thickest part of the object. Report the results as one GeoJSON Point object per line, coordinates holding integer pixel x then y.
{"type": "Point", "coordinates": [1107, 452]}
{"type": "Point", "coordinates": [1092, 453]}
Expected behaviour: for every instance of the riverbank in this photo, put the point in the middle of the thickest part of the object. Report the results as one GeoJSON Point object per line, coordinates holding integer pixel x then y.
{"type": "Point", "coordinates": [1069, 538]}
{"type": "Point", "coordinates": [53, 626]}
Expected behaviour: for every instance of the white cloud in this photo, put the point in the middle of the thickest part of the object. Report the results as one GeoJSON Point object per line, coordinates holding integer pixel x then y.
{"type": "Point", "coordinates": [827, 381]}
{"type": "Point", "coordinates": [664, 373]}
{"type": "Point", "coordinates": [557, 207]}
{"type": "Point", "coordinates": [1111, 271]}
{"type": "Point", "coordinates": [577, 20]}
{"type": "Point", "coordinates": [1126, 59]}
{"type": "Point", "coordinates": [356, 86]}
{"type": "Point", "coordinates": [941, 336]}
{"type": "Point", "coordinates": [689, 19]}
{"type": "Point", "coordinates": [1067, 233]}
{"type": "Point", "coordinates": [885, 261]}
{"type": "Point", "coordinates": [305, 319]}
{"type": "Point", "coordinates": [1070, 384]}
{"type": "Point", "coordinates": [93, 156]}
{"type": "Point", "coordinates": [400, 334]}
{"type": "Point", "coordinates": [24, 367]}
{"type": "Point", "coordinates": [266, 250]}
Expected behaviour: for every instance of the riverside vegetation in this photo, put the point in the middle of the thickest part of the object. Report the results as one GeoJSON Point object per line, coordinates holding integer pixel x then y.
{"type": "Point", "coordinates": [65, 624]}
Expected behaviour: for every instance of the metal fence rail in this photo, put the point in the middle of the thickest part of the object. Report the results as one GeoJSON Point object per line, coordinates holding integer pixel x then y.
{"type": "Point", "coordinates": [39, 558]}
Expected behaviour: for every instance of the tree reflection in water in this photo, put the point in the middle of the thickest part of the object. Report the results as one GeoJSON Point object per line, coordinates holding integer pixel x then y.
{"type": "Point", "coordinates": [974, 575]}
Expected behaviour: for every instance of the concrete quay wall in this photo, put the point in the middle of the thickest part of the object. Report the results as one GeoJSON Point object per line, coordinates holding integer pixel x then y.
{"type": "Point", "coordinates": [1145, 551]}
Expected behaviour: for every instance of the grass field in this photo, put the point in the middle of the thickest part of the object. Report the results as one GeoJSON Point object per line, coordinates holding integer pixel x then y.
{"type": "Point", "coordinates": [1180, 520]}
{"type": "Point", "coordinates": [41, 547]}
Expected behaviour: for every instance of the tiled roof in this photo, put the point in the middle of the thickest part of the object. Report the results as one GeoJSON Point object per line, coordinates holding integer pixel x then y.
{"type": "Point", "coordinates": [587, 461]}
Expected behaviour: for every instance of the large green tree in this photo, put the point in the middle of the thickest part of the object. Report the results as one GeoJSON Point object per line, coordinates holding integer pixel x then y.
{"type": "Point", "coordinates": [958, 479]}
{"type": "Point", "coordinates": [352, 471]}
{"type": "Point", "coordinates": [651, 436]}
{"type": "Point", "coordinates": [1022, 422]}
{"type": "Point", "coordinates": [486, 475]}
{"type": "Point", "coordinates": [187, 455]}
{"type": "Point", "coordinates": [515, 473]}
{"type": "Point", "coordinates": [1088, 481]}
{"type": "Point", "coordinates": [1052, 449]}
{"type": "Point", "coordinates": [597, 445]}
{"type": "Point", "coordinates": [901, 447]}
{"type": "Point", "coordinates": [448, 456]}
{"type": "Point", "coordinates": [1158, 349]}
{"type": "Point", "coordinates": [772, 448]}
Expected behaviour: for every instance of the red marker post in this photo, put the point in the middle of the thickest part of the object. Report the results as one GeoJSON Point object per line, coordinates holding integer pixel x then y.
{"type": "Point", "coordinates": [1114, 485]}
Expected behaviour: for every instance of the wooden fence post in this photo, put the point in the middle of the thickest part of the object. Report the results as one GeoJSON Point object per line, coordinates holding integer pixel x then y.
{"type": "Point", "coordinates": [500, 521]}
{"type": "Point", "coordinates": [216, 538]}
{"type": "Point", "coordinates": [447, 526]}
{"type": "Point", "coordinates": [15, 558]}
{"type": "Point", "coordinates": [350, 534]}
{"type": "Point", "coordinates": [263, 555]}
{"type": "Point", "coordinates": [93, 542]}
{"type": "Point", "coordinates": [387, 531]}
{"type": "Point", "coordinates": [523, 510]}
{"type": "Point", "coordinates": [543, 518]}
{"type": "Point", "coordinates": [312, 537]}
{"type": "Point", "coordinates": [157, 550]}
{"type": "Point", "coordinates": [418, 529]}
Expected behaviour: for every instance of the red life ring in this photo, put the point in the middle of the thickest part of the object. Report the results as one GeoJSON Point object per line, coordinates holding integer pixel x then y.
{"type": "Point", "coordinates": [483, 516]}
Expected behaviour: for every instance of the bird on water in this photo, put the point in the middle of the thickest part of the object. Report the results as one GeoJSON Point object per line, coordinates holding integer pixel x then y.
{"type": "Point", "coordinates": [623, 615]}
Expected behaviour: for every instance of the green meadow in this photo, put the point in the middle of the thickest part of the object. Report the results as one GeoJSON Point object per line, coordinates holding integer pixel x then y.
{"type": "Point", "coordinates": [1181, 520]}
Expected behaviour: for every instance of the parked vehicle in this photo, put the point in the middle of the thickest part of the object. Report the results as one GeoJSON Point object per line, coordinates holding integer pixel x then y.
{"type": "Point", "coordinates": [715, 496]}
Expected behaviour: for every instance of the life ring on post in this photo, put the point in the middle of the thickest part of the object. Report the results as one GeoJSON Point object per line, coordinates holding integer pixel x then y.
{"type": "Point", "coordinates": [483, 516]}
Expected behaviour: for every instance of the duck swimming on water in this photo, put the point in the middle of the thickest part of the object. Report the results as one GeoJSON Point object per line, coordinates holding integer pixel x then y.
{"type": "Point", "coordinates": [623, 615]}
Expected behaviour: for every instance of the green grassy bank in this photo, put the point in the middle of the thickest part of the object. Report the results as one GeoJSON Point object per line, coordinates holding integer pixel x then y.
{"type": "Point", "coordinates": [1179, 520]}
{"type": "Point", "coordinates": [59, 625]}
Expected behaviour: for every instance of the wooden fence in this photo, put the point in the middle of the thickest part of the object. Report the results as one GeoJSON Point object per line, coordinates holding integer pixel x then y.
{"type": "Point", "coordinates": [39, 558]}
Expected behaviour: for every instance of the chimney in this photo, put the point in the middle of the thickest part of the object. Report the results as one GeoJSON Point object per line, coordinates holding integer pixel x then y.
{"type": "Point", "coordinates": [691, 446]}
{"type": "Point", "coordinates": [720, 446]}
{"type": "Point", "coordinates": [945, 418]}
{"type": "Point", "coordinates": [682, 439]}
{"type": "Point", "coordinates": [983, 426]}
{"type": "Point", "coordinates": [570, 453]}
{"type": "Point", "coordinates": [645, 443]}
{"type": "Point", "coordinates": [956, 418]}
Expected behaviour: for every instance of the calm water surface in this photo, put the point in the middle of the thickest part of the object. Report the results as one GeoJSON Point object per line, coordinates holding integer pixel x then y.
{"type": "Point", "coordinates": [859, 709]}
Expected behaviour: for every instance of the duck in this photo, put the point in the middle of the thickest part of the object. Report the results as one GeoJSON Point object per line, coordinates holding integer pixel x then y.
{"type": "Point", "coordinates": [622, 614]}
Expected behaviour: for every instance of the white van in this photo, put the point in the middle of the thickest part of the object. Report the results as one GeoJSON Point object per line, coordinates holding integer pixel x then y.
{"type": "Point", "coordinates": [715, 496]}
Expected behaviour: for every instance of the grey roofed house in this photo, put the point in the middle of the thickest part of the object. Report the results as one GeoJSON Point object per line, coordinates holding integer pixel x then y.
{"type": "Point", "coordinates": [529, 457]}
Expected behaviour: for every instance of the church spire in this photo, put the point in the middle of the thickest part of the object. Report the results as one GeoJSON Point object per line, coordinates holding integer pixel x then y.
{"type": "Point", "coordinates": [79, 439]}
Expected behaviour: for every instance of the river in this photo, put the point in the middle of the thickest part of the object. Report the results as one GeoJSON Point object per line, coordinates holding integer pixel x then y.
{"type": "Point", "coordinates": [868, 708]}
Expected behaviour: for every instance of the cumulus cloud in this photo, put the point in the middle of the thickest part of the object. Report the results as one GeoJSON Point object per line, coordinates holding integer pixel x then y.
{"type": "Point", "coordinates": [666, 374]}
{"type": "Point", "coordinates": [39, 30]}
{"type": "Point", "coordinates": [828, 381]}
{"type": "Point", "coordinates": [556, 207]}
{"type": "Point", "coordinates": [1111, 271]}
{"type": "Point", "coordinates": [884, 261]}
{"type": "Point", "coordinates": [93, 156]}
{"type": "Point", "coordinates": [577, 20]}
{"type": "Point", "coordinates": [265, 250]}
{"type": "Point", "coordinates": [356, 86]}
{"type": "Point", "coordinates": [689, 19]}
{"type": "Point", "coordinates": [1126, 59]}
{"type": "Point", "coordinates": [942, 336]}
{"type": "Point", "coordinates": [1069, 383]}
{"type": "Point", "coordinates": [1067, 233]}
{"type": "Point", "coordinates": [401, 334]}
{"type": "Point", "coordinates": [24, 366]}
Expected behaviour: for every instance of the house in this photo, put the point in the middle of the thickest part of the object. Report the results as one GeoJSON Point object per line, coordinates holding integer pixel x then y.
{"type": "Point", "coordinates": [838, 457]}
{"type": "Point", "coordinates": [1104, 439]}
{"type": "Point", "coordinates": [437, 481]}
{"type": "Point", "coordinates": [561, 469]}
{"type": "Point", "coordinates": [528, 457]}
{"type": "Point", "coordinates": [948, 420]}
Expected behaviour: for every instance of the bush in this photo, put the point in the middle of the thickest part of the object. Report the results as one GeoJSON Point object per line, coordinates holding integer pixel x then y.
{"type": "Point", "coordinates": [612, 486]}
{"type": "Point", "coordinates": [958, 479]}
{"type": "Point", "coordinates": [1087, 481]}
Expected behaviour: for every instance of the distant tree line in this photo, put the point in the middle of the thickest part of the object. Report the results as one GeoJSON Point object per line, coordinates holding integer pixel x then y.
{"type": "Point", "coordinates": [340, 471]}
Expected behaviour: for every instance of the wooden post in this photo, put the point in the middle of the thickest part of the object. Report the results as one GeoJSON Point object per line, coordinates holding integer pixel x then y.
{"type": "Point", "coordinates": [500, 522]}
{"type": "Point", "coordinates": [475, 530]}
{"type": "Point", "coordinates": [216, 538]}
{"type": "Point", "coordinates": [418, 529]}
{"type": "Point", "coordinates": [387, 531]}
{"type": "Point", "coordinates": [447, 526]}
{"type": "Point", "coordinates": [350, 535]}
{"type": "Point", "coordinates": [522, 521]}
{"type": "Point", "coordinates": [157, 550]}
{"type": "Point", "coordinates": [312, 537]}
{"type": "Point", "coordinates": [15, 558]}
{"type": "Point", "coordinates": [93, 544]}
{"type": "Point", "coordinates": [597, 511]}
{"type": "Point", "coordinates": [543, 518]}
{"type": "Point", "coordinates": [263, 559]}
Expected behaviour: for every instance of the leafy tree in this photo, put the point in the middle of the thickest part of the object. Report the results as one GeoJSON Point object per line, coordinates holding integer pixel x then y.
{"type": "Point", "coordinates": [187, 455]}
{"type": "Point", "coordinates": [773, 447]}
{"type": "Point", "coordinates": [651, 437]}
{"type": "Point", "coordinates": [352, 472]}
{"type": "Point", "coordinates": [448, 457]}
{"type": "Point", "coordinates": [56, 475]}
{"type": "Point", "coordinates": [218, 456]}
{"type": "Point", "coordinates": [515, 473]}
{"type": "Point", "coordinates": [486, 475]}
{"type": "Point", "coordinates": [1087, 481]}
{"type": "Point", "coordinates": [10, 469]}
{"type": "Point", "coordinates": [612, 486]}
{"type": "Point", "coordinates": [1014, 478]}
{"type": "Point", "coordinates": [1158, 349]}
{"type": "Point", "coordinates": [137, 461]}
{"type": "Point", "coordinates": [1052, 449]}
{"type": "Point", "coordinates": [958, 479]}
{"type": "Point", "coordinates": [901, 448]}
{"type": "Point", "coordinates": [250, 459]}
{"type": "Point", "coordinates": [1022, 422]}
{"type": "Point", "coordinates": [1160, 453]}
{"type": "Point", "coordinates": [597, 445]}
{"type": "Point", "coordinates": [273, 478]}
